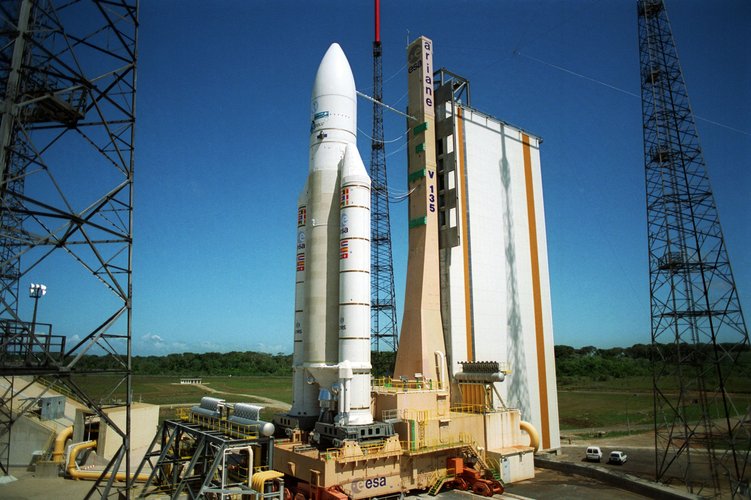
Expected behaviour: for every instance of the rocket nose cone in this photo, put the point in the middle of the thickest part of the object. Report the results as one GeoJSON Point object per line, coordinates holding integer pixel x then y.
{"type": "Point", "coordinates": [352, 160]}
{"type": "Point", "coordinates": [334, 74]}
{"type": "Point", "coordinates": [353, 168]}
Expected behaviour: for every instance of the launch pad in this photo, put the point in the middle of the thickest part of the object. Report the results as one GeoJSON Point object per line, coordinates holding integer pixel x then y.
{"type": "Point", "coordinates": [330, 434]}
{"type": "Point", "coordinates": [435, 445]}
{"type": "Point", "coordinates": [441, 420]}
{"type": "Point", "coordinates": [201, 455]}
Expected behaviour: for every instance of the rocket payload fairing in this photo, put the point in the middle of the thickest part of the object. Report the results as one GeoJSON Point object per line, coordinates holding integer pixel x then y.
{"type": "Point", "coordinates": [331, 357]}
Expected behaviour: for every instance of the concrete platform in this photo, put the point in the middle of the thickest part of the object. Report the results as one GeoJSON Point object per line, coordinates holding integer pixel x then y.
{"type": "Point", "coordinates": [28, 486]}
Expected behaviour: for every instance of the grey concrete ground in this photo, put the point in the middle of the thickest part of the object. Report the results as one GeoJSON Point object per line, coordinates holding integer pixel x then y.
{"type": "Point", "coordinates": [549, 484]}
{"type": "Point", "coordinates": [546, 485]}
{"type": "Point", "coordinates": [29, 487]}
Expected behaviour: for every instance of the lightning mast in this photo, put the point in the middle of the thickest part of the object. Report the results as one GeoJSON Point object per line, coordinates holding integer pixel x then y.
{"type": "Point", "coordinates": [384, 333]}
{"type": "Point", "coordinates": [67, 158]}
{"type": "Point", "coordinates": [698, 329]}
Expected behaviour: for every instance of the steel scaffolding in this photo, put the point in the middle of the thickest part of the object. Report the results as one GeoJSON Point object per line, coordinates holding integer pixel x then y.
{"type": "Point", "coordinates": [384, 331]}
{"type": "Point", "coordinates": [210, 458]}
{"type": "Point", "coordinates": [68, 81]}
{"type": "Point", "coordinates": [698, 329]}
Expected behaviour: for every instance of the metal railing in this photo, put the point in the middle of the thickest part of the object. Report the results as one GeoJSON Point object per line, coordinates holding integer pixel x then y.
{"type": "Point", "coordinates": [31, 346]}
{"type": "Point", "coordinates": [235, 430]}
{"type": "Point", "coordinates": [469, 408]}
{"type": "Point", "coordinates": [388, 384]}
{"type": "Point", "coordinates": [372, 450]}
{"type": "Point", "coordinates": [419, 446]}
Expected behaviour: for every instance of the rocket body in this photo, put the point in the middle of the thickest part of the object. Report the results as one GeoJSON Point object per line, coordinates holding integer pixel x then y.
{"type": "Point", "coordinates": [305, 396]}
{"type": "Point", "coordinates": [332, 300]}
{"type": "Point", "coordinates": [354, 288]}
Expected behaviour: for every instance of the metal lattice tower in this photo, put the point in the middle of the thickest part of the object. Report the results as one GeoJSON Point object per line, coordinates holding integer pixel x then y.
{"type": "Point", "coordinates": [698, 330]}
{"type": "Point", "coordinates": [68, 82]}
{"type": "Point", "coordinates": [384, 333]}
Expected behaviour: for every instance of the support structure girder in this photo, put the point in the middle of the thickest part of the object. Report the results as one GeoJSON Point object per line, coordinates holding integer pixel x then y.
{"type": "Point", "coordinates": [67, 85]}
{"type": "Point", "coordinates": [698, 330]}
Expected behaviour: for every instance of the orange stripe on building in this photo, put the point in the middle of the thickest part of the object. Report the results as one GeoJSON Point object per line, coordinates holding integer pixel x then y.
{"type": "Point", "coordinates": [461, 183]}
{"type": "Point", "coordinates": [539, 328]}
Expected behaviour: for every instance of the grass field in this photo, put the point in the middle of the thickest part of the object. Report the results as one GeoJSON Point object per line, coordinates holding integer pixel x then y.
{"type": "Point", "coordinates": [622, 405]}
{"type": "Point", "coordinates": [598, 409]}
{"type": "Point", "coordinates": [166, 390]}
{"type": "Point", "coordinates": [615, 406]}
{"type": "Point", "coordinates": [269, 387]}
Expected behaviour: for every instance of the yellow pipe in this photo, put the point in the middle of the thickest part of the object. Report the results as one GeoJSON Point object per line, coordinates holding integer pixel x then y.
{"type": "Point", "coordinates": [59, 450]}
{"type": "Point", "coordinates": [75, 473]}
{"type": "Point", "coordinates": [534, 436]}
{"type": "Point", "coordinates": [260, 478]}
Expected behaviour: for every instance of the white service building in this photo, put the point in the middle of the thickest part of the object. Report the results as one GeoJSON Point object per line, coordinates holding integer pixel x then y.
{"type": "Point", "coordinates": [495, 286]}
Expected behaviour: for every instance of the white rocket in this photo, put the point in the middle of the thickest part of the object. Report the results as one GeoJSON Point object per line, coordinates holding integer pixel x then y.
{"type": "Point", "coordinates": [331, 356]}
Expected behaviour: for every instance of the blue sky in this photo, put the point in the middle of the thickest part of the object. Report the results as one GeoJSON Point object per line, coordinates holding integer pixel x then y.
{"type": "Point", "coordinates": [222, 146]}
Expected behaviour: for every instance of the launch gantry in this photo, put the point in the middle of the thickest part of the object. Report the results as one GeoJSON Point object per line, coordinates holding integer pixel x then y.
{"type": "Point", "coordinates": [385, 333]}
{"type": "Point", "coordinates": [68, 73]}
{"type": "Point", "coordinates": [698, 329]}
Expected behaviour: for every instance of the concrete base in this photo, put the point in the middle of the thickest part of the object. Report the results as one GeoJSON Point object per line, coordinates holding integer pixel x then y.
{"type": "Point", "coordinates": [285, 422]}
{"type": "Point", "coordinates": [335, 435]}
{"type": "Point", "coordinates": [624, 481]}
{"type": "Point", "coordinates": [47, 469]}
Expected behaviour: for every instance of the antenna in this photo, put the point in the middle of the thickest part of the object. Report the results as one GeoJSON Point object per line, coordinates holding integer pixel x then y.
{"type": "Point", "coordinates": [384, 332]}
{"type": "Point", "coordinates": [698, 330]}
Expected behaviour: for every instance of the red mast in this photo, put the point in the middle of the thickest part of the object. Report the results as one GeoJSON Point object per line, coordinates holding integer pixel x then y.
{"type": "Point", "coordinates": [378, 21]}
{"type": "Point", "coordinates": [384, 331]}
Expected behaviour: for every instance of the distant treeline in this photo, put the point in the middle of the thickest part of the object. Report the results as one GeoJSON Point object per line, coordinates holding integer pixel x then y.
{"type": "Point", "coordinates": [593, 363]}
{"type": "Point", "coordinates": [571, 363]}
{"type": "Point", "coordinates": [216, 363]}
{"type": "Point", "coordinates": [193, 364]}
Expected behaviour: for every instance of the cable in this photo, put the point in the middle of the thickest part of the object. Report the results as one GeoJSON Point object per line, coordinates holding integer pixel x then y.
{"type": "Point", "coordinates": [394, 75]}
{"type": "Point", "coordinates": [400, 197]}
{"type": "Point", "coordinates": [365, 96]}
{"type": "Point", "coordinates": [389, 78]}
{"type": "Point", "coordinates": [618, 89]}
{"type": "Point", "coordinates": [561, 68]}
{"type": "Point", "coordinates": [400, 99]}
{"type": "Point", "coordinates": [573, 13]}
{"type": "Point", "coordinates": [382, 142]}
{"type": "Point", "coordinates": [397, 149]}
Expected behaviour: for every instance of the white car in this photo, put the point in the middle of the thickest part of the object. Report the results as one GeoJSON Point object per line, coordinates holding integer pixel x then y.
{"type": "Point", "coordinates": [618, 457]}
{"type": "Point", "coordinates": [594, 453]}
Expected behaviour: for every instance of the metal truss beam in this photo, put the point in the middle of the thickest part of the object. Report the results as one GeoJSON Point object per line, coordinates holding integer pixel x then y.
{"type": "Point", "coordinates": [68, 87]}
{"type": "Point", "coordinates": [384, 330]}
{"type": "Point", "coordinates": [698, 331]}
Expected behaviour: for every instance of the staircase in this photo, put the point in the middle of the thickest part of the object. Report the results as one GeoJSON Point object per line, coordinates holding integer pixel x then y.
{"type": "Point", "coordinates": [438, 485]}
{"type": "Point", "coordinates": [473, 451]}
{"type": "Point", "coordinates": [495, 469]}
{"type": "Point", "coordinates": [493, 466]}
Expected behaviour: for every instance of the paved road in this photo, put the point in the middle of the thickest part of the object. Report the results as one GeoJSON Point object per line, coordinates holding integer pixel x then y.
{"type": "Point", "coordinates": [551, 485]}
{"type": "Point", "coordinates": [273, 402]}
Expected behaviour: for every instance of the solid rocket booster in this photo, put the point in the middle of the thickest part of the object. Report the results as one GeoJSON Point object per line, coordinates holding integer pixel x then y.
{"type": "Point", "coordinates": [354, 289]}
{"type": "Point", "coordinates": [334, 311]}
{"type": "Point", "coordinates": [305, 396]}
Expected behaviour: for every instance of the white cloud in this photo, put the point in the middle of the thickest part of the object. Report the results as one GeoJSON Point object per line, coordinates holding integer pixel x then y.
{"type": "Point", "coordinates": [151, 337]}
{"type": "Point", "coordinates": [155, 344]}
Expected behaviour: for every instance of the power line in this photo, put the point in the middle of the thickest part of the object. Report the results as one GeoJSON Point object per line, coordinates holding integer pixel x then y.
{"type": "Point", "coordinates": [618, 89]}
{"type": "Point", "coordinates": [379, 103]}
{"type": "Point", "coordinates": [383, 325]}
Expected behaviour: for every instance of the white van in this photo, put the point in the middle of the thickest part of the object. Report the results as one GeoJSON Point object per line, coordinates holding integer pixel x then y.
{"type": "Point", "coordinates": [618, 457]}
{"type": "Point", "coordinates": [594, 453]}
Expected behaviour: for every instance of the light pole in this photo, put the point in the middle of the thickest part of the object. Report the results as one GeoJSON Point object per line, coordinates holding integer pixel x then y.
{"type": "Point", "coordinates": [36, 291]}
{"type": "Point", "coordinates": [628, 420]}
